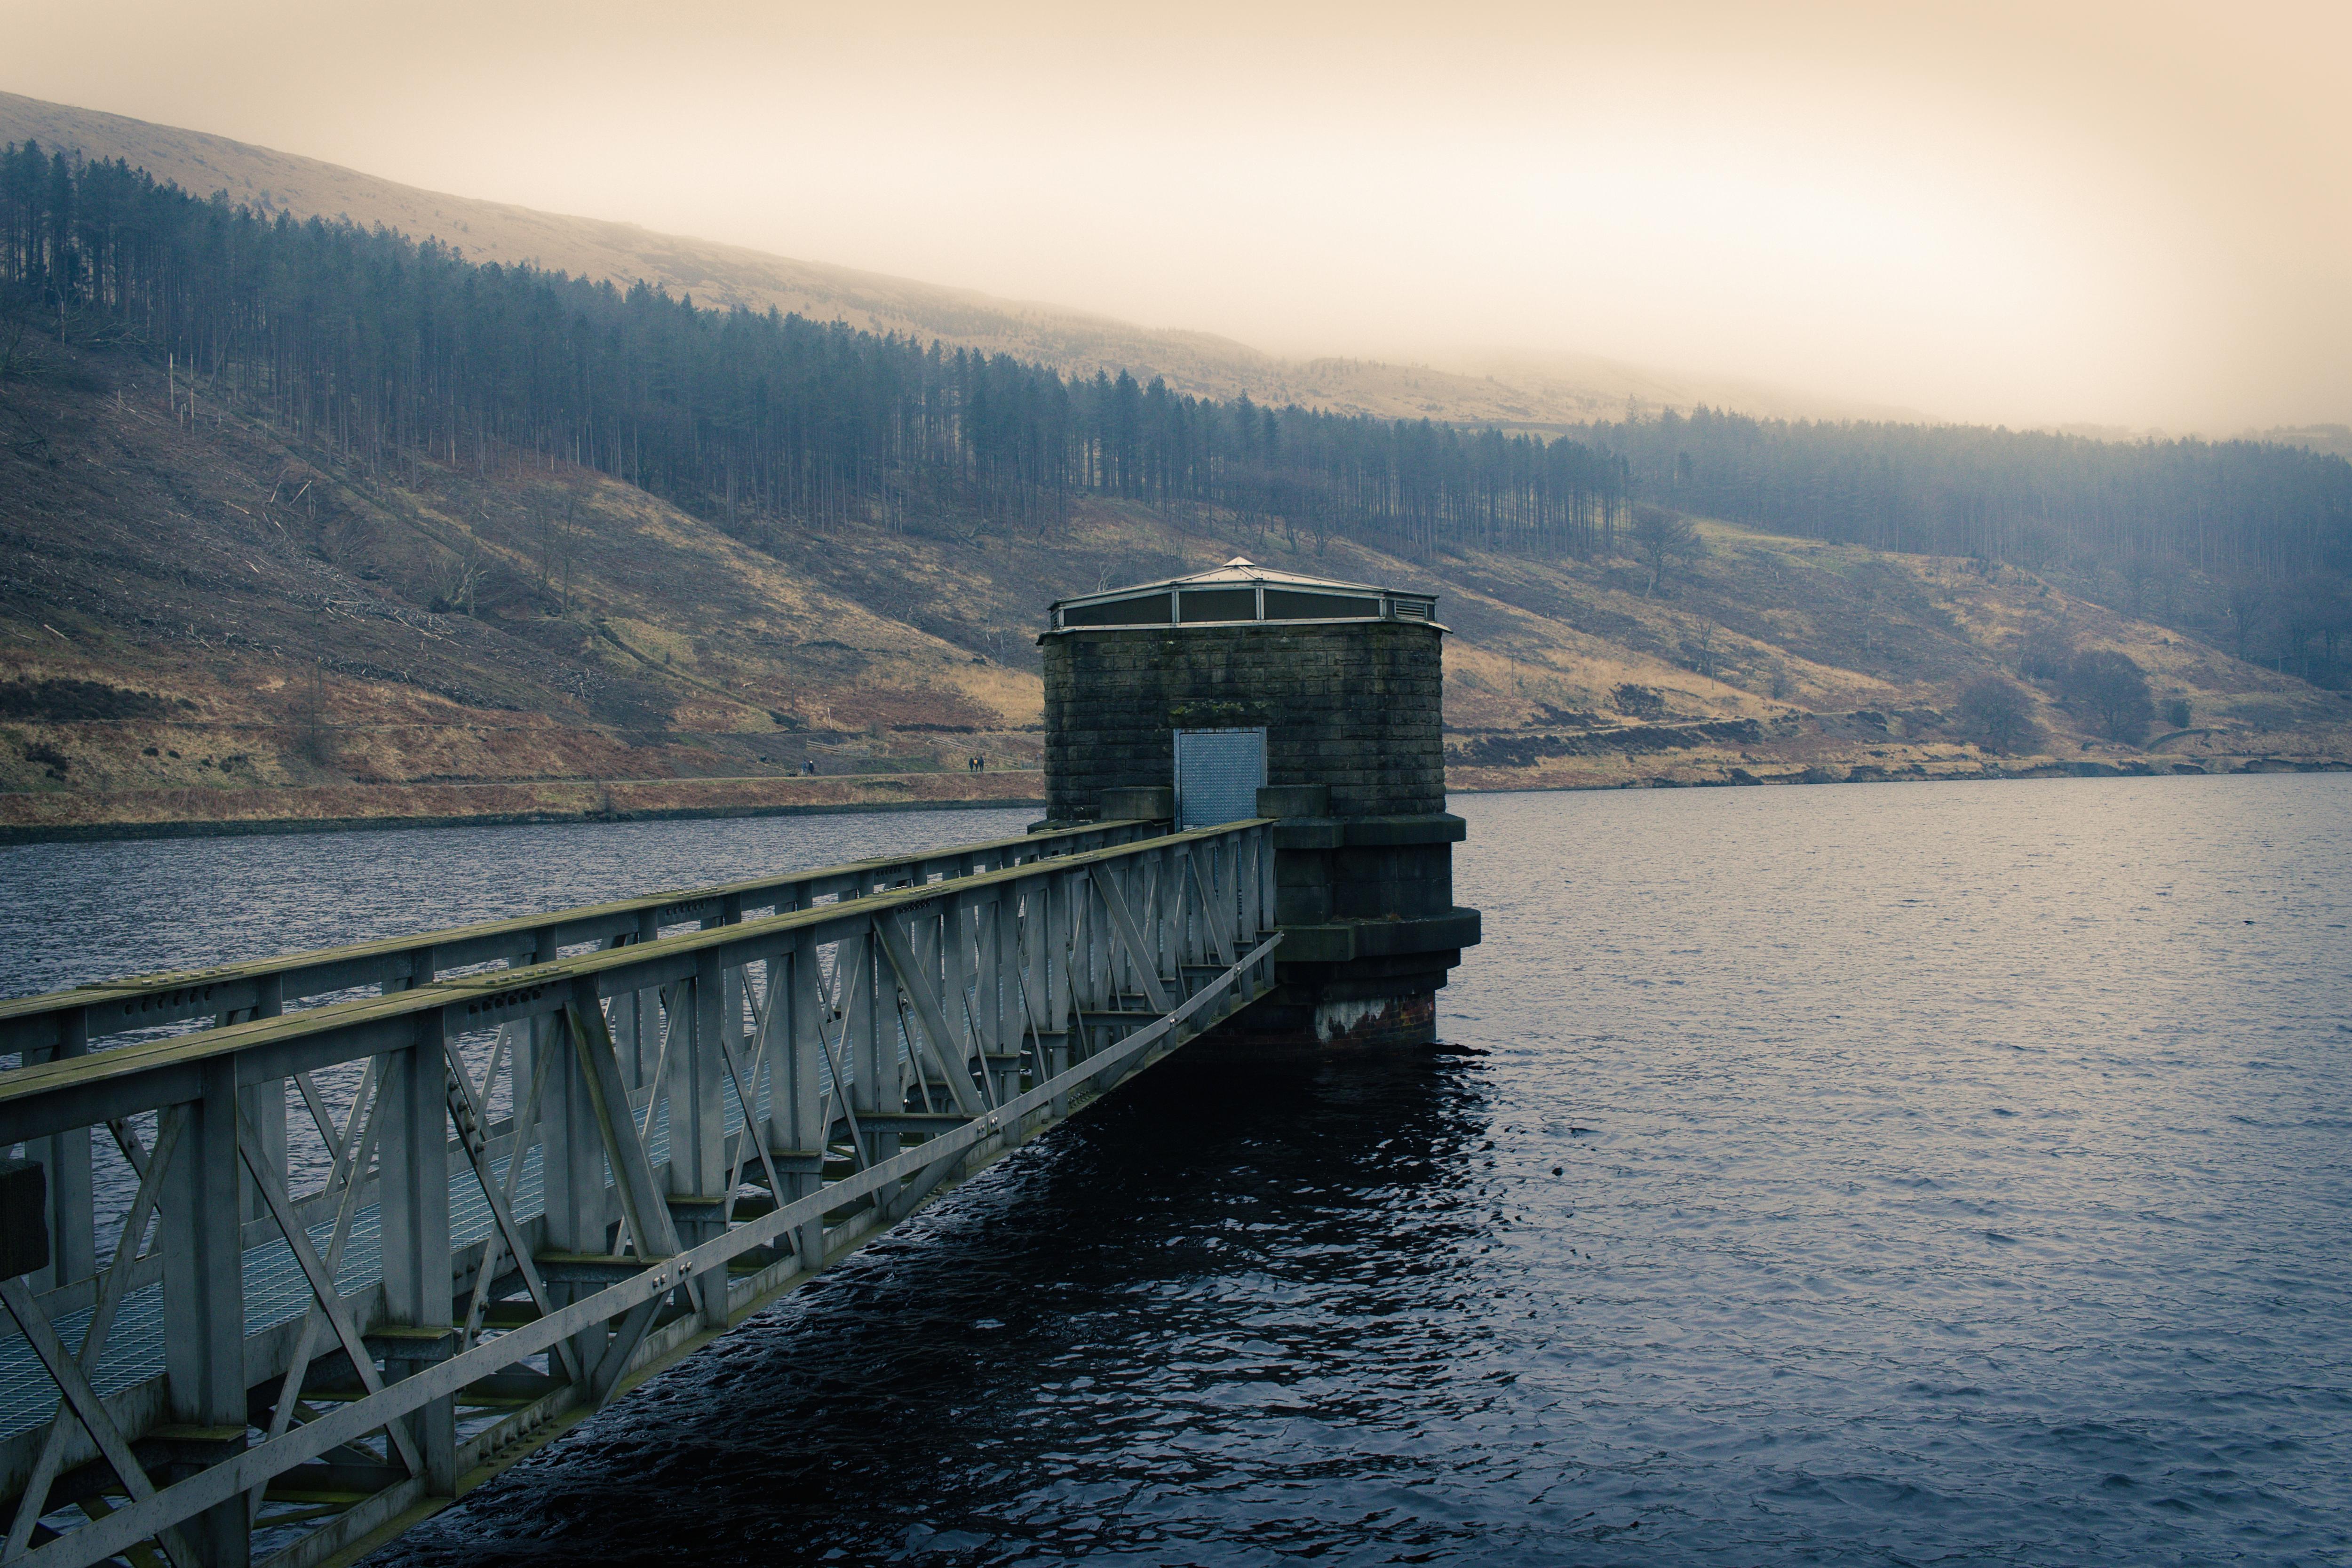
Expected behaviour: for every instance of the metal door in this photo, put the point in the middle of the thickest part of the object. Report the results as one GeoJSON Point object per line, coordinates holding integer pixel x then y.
{"type": "Point", "coordinates": [1218, 775]}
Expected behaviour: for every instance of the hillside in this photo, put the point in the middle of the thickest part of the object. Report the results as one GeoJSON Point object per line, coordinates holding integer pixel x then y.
{"type": "Point", "coordinates": [1513, 390]}
{"type": "Point", "coordinates": [200, 618]}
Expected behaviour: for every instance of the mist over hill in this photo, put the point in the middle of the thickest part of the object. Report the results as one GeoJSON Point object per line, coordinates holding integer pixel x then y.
{"type": "Point", "coordinates": [1482, 387]}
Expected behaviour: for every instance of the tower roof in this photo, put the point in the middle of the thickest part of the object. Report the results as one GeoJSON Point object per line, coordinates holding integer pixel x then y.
{"type": "Point", "coordinates": [1240, 590]}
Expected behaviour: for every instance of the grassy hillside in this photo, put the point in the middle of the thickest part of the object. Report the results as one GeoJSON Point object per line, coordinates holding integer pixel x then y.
{"type": "Point", "coordinates": [201, 619]}
{"type": "Point", "coordinates": [1510, 390]}
{"type": "Point", "coordinates": [192, 602]}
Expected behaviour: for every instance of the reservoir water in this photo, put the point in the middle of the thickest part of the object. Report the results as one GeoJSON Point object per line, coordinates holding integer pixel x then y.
{"type": "Point", "coordinates": [1941, 1173]}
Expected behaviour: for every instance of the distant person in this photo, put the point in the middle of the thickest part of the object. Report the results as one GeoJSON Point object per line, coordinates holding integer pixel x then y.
{"type": "Point", "coordinates": [808, 765]}
{"type": "Point", "coordinates": [980, 764]}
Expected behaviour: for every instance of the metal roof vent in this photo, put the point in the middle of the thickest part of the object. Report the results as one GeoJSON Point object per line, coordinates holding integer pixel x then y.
{"type": "Point", "coordinates": [1239, 593]}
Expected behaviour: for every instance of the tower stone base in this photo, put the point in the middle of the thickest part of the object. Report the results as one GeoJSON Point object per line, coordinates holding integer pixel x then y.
{"type": "Point", "coordinates": [1293, 1021]}
{"type": "Point", "coordinates": [1370, 929]}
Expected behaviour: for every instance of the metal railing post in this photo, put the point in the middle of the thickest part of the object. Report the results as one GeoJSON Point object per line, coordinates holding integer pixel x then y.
{"type": "Point", "coordinates": [1175, 952]}
{"type": "Point", "coordinates": [203, 1300]}
{"type": "Point", "coordinates": [1261, 913]}
{"type": "Point", "coordinates": [73, 1242]}
{"type": "Point", "coordinates": [801, 1069]}
{"type": "Point", "coordinates": [953, 973]}
{"type": "Point", "coordinates": [627, 1016]}
{"type": "Point", "coordinates": [872, 1060]}
{"type": "Point", "coordinates": [264, 1103]}
{"type": "Point", "coordinates": [414, 1198]}
{"type": "Point", "coordinates": [1100, 985]}
{"type": "Point", "coordinates": [1007, 1017]}
{"type": "Point", "coordinates": [577, 1211]}
{"type": "Point", "coordinates": [1236, 893]}
{"type": "Point", "coordinates": [697, 1123]}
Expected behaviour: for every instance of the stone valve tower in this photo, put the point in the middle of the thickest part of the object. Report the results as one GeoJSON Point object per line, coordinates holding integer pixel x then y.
{"type": "Point", "coordinates": [1245, 692]}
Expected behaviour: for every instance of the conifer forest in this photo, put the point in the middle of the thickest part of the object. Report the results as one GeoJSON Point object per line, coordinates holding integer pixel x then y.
{"type": "Point", "coordinates": [389, 349]}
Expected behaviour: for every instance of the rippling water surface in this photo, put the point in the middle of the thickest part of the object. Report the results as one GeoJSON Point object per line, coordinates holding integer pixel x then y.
{"type": "Point", "coordinates": [1870, 1174]}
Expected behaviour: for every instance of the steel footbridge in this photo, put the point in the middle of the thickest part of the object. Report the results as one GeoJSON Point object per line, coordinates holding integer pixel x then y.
{"type": "Point", "coordinates": [300, 1251]}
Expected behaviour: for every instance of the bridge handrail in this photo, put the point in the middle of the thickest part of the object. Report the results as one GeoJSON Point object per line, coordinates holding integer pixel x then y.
{"type": "Point", "coordinates": [42, 1098]}
{"type": "Point", "coordinates": [67, 1020]}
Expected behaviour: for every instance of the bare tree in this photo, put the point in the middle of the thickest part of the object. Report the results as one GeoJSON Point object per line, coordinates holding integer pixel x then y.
{"type": "Point", "coordinates": [2313, 607]}
{"type": "Point", "coordinates": [2114, 691]}
{"type": "Point", "coordinates": [12, 337]}
{"type": "Point", "coordinates": [558, 541]}
{"type": "Point", "coordinates": [1996, 714]}
{"type": "Point", "coordinates": [2249, 598]}
{"type": "Point", "coordinates": [2138, 573]}
{"type": "Point", "coordinates": [1664, 539]}
{"type": "Point", "coordinates": [1705, 657]}
{"type": "Point", "coordinates": [312, 737]}
{"type": "Point", "coordinates": [461, 578]}
{"type": "Point", "coordinates": [2046, 653]}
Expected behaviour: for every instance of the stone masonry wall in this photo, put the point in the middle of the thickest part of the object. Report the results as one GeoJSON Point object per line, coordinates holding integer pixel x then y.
{"type": "Point", "coordinates": [1357, 706]}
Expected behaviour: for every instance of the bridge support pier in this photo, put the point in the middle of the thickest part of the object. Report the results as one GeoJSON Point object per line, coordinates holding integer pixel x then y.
{"type": "Point", "coordinates": [1369, 928]}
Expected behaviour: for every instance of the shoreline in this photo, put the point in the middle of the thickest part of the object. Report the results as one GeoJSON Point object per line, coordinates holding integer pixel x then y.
{"type": "Point", "coordinates": [59, 817]}
{"type": "Point", "coordinates": [253, 827]}
{"type": "Point", "coordinates": [941, 791]}
{"type": "Point", "coordinates": [1740, 778]}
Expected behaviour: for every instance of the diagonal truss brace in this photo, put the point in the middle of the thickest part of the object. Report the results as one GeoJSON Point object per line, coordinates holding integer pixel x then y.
{"type": "Point", "coordinates": [323, 1283]}
{"type": "Point", "coordinates": [937, 1032]}
{"type": "Point", "coordinates": [459, 1088]}
{"type": "Point", "coordinates": [101, 1321]}
{"type": "Point", "coordinates": [642, 1206]}
{"type": "Point", "coordinates": [358, 1142]}
{"type": "Point", "coordinates": [75, 1385]}
{"type": "Point", "coordinates": [747, 1089]}
{"type": "Point", "coordinates": [836, 1053]}
{"type": "Point", "coordinates": [1131, 937]}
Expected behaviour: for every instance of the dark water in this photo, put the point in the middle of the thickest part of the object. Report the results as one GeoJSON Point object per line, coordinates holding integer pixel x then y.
{"type": "Point", "coordinates": [1872, 1174]}
{"type": "Point", "coordinates": [74, 912]}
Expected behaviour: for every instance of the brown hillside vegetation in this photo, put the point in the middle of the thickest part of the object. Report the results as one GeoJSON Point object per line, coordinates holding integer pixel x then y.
{"type": "Point", "coordinates": [1497, 390]}
{"type": "Point", "coordinates": [279, 620]}
{"type": "Point", "coordinates": [204, 620]}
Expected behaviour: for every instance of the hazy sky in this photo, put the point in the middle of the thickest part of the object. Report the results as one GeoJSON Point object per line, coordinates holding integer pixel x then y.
{"type": "Point", "coordinates": [2135, 212]}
